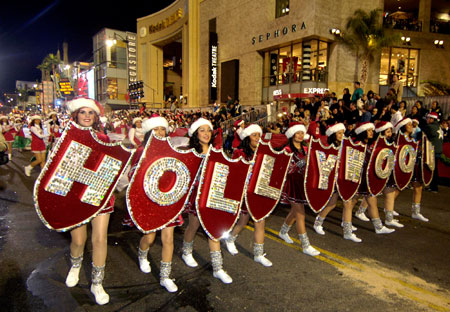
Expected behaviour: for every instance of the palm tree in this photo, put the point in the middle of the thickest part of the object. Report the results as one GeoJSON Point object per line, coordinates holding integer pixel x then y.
{"type": "Point", "coordinates": [365, 36]}
{"type": "Point", "coordinates": [48, 65]}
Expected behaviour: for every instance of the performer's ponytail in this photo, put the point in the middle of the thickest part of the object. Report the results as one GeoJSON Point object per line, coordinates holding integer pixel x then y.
{"type": "Point", "coordinates": [245, 146]}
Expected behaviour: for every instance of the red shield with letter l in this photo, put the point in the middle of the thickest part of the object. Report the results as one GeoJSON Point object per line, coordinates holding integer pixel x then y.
{"type": "Point", "coordinates": [161, 184]}
{"type": "Point", "coordinates": [380, 165]}
{"type": "Point", "coordinates": [78, 179]}
{"type": "Point", "coordinates": [428, 160]}
{"type": "Point", "coordinates": [267, 181]}
{"type": "Point", "coordinates": [222, 187]}
{"type": "Point", "coordinates": [349, 168]}
{"type": "Point", "coordinates": [320, 174]}
{"type": "Point", "coordinates": [405, 160]}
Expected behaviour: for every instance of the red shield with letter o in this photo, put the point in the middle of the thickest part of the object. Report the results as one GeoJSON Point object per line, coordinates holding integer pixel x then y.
{"type": "Point", "coordinates": [266, 181]}
{"type": "Point", "coordinates": [161, 184]}
{"type": "Point", "coordinates": [221, 191]}
{"type": "Point", "coordinates": [78, 179]}
{"type": "Point", "coordinates": [320, 174]}
{"type": "Point", "coordinates": [380, 166]}
{"type": "Point", "coordinates": [405, 160]}
{"type": "Point", "coordinates": [428, 160]}
{"type": "Point", "coordinates": [349, 168]}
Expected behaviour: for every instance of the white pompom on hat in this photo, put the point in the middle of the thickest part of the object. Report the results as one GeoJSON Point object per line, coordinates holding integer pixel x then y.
{"type": "Point", "coordinates": [402, 123]}
{"type": "Point", "coordinates": [78, 103]}
{"type": "Point", "coordinates": [249, 130]}
{"type": "Point", "coordinates": [136, 119]}
{"type": "Point", "coordinates": [294, 127]}
{"type": "Point", "coordinates": [154, 122]}
{"type": "Point", "coordinates": [197, 124]}
{"type": "Point", "coordinates": [382, 126]}
{"type": "Point", "coordinates": [364, 127]}
{"type": "Point", "coordinates": [335, 128]}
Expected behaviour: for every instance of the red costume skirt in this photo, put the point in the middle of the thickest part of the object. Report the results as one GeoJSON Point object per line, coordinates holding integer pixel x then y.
{"type": "Point", "coordinates": [294, 190]}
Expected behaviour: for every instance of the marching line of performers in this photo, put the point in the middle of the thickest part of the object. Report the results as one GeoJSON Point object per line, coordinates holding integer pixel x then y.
{"type": "Point", "coordinates": [86, 113]}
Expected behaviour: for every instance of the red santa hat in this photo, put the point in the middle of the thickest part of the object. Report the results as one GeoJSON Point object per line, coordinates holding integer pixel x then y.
{"type": "Point", "coordinates": [35, 117]}
{"type": "Point", "coordinates": [78, 103]}
{"type": "Point", "coordinates": [402, 123]}
{"type": "Point", "coordinates": [154, 122]}
{"type": "Point", "coordinates": [238, 123]}
{"type": "Point", "coordinates": [364, 127]}
{"type": "Point", "coordinates": [433, 115]}
{"type": "Point", "coordinates": [136, 119]}
{"type": "Point", "coordinates": [3, 117]}
{"type": "Point", "coordinates": [335, 128]}
{"type": "Point", "coordinates": [383, 125]}
{"type": "Point", "coordinates": [294, 127]}
{"type": "Point", "coordinates": [197, 124]}
{"type": "Point", "coordinates": [253, 128]}
{"type": "Point", "coordinates": [415, 120]}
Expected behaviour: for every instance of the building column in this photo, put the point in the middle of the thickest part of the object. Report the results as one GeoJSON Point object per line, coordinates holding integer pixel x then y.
{"type": "Point", "coordinates": [425, 14]}
{"type": "Point", "coordinates": [154, 91]}
{"type": "Point", "coordinates": [193, 53]}
{"type": "Point", "coordinates": [184, 63]}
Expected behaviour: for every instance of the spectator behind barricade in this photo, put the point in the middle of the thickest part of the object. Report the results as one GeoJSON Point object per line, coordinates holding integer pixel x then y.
{"type": "Point", "coordinates": [436, 108]}
{"type": "Point", "coordinates": [347, 97]}
{"type": "Point", "coordinates": [352, 115]}
{"type": "Point", "coordinates": [434, 134]}
{"type": "Point", "coordinates": [414, 113]}
{"type": "Point", "coordinates": [350, 132]}
{"type": "Point", "coordinates": [397, 85]}
{"type": "Point", "coordinates": [422, 110]}
{"type": "Point", "coordinates": [229, 102]}
{"type": "Point", "coordinates": [416, 129]}
{"type": "Point", "coordinates": [374, 114]}
{"type": "Point", "coordinates": [366, 115]}
{"type": "Point", "coordinates": [444, 128]}
{"type": "Point", "coordinates": [358, 93]}
{"type": "Point", "coordinates": [396, 114]}
{"type": "Point", "coordinates": [390, 96]}
{"type": "Point", "coordinates": [402, 108]}
{"type": "Point", "coordinates": [237, 109]}
{"type": "Point", "coordinates": [371, 100]}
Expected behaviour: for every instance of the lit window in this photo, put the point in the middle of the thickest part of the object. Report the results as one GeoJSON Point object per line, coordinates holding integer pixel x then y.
{"type": "Point", "coordinates": [282, 8]}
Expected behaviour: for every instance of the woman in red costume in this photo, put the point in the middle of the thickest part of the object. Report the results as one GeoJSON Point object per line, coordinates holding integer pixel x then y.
{"type": "Point", "coordinates": [8, 132]}
{"type": "Point", "coordinates": [38, 146]}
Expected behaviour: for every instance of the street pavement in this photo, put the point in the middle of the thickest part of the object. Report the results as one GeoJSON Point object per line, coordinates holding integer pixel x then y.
{"type": "Point", "coordinates": [404, 271]}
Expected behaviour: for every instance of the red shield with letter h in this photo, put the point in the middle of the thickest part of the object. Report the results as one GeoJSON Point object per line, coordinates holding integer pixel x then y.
{"type": "Point", "coordinates": [428, 160]}
{"type": "Point", "coordinates": [222, 187]}
{"type": "Point", "coordinates": [405, 160]}
{"type": "Point", "coordinates": [320, 174]}
{"type": "Point", "coordinates": [349, 169]}
{"type": "Point", "coordinates": [266, 181]}
{"type": "Point", "coordinates": [161, 184]}
{"type": "Point", "coordinates": [380, 165]}
{"type": "Point", "coordinates": [78, 179]}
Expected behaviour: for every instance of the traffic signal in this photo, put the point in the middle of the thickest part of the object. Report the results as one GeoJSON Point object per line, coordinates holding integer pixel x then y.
{"type": "Point", "coordinates": [136, 90]}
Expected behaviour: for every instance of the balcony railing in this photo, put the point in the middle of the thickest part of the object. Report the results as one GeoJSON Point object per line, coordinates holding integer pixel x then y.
{"type": "Point", "coordinates": [411, 24]}
{"type": "Point", "coordinates": [315, 74]}
{"type": "Point", "coordinates": [441, 27]}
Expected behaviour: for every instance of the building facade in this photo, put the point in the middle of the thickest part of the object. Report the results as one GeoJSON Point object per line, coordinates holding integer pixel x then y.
{"type": "Point", "coordinates": [259, 51]}
{"type": "Point", "coordinates": [115, 62]}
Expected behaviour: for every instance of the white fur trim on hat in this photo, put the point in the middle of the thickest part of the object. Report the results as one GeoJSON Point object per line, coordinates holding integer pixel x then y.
{"type": "Point", "coordinates": [335, 128]}
{"type": "Point", "coordinates": [250, 130]}
{"type": "Point", "coordinates": [154, 122]}
{"type": "Point", "coordinates": [294, 129]}
{"type": "Point", "coordinates": [35, 117]}
{"type": "Point", "coordinates": [364, 127]}
{"type": "Point", "coordinates": [433, 115]}
{"type": "Point", "coordinates": [402, 123]}
{"type": "Point", "coordinates": [52, 113]}
{"type": "Point", "coordinates": [197, 124]}
{"type": "Point", "coordinates": [386, 126]}
{"type": "Point", "coordinates": [103, 119]}
{"type": "Point", "coordinates": [136, 120]}
{"type": "Point", "coordinates": [83, 102]}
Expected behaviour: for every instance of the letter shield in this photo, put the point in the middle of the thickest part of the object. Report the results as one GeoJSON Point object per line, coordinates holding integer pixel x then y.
{"type": "Point", "coordinates": [405, 160]}
{"type": "Point", "coordinates": [320, 174]}
{"type": "Point", "coordinates": [78, 179]}
{"type": "Point", "coordinates": [349, 168]}
{"type": "Point", "coordinates": [380, 166]}
{"type": "Point", "coordinates": [161, 184]}
{"type": "Point", "coordinates": [266, 181]}
{"type": "Point", "coordinates": [428, 162]}
{"type": "Point", "coordinates": [223, 184]}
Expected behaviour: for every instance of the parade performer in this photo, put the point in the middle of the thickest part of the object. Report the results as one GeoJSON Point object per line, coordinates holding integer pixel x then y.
{"type": "Point", "coordinates": [8, 132]}
{"type": "Point", "coordinates": [20, 142]}
{"type": "Point", "coordinates": [250, 138]}
{"type": "Point", "coordinates": [239, 125]}
{"type": "Point", "coordinates": [86, 112]}
{"type": "Point", "coordinates": [54, 127]}
{"type": "Point", "coordinates": [38, 146]}
{"type": "Point", "coordinates": [335, 135]}
{"type": "Point", "coordinates": [200, 138]}
{"type": "Point", "coordinates": [294, 193]}
{"type": "Point", "coordinates": [364, 134]}
{"type": "Point", "coordinates": [136, 133]}
{"type": "Point", "coordinates": [159, 126]}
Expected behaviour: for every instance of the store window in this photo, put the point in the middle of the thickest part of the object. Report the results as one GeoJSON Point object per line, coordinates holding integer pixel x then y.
{"type": "Point", "coordinates": [402, 15]}
{"type": "Point", "coordinates": [281, 8]}
{"type": "Point", "coordinates": [400, 61]}
{"type": "Point", "coordinates": [118, 56]}
{"type": "Point", "coordinates": [440, 17]}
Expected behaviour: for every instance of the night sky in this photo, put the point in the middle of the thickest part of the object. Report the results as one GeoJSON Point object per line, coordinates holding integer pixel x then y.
{"type": "Point", "coordinates": [29, 30]}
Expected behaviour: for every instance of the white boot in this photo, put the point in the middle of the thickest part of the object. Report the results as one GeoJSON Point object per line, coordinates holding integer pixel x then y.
{"type": "Point", "coordinates": [379, 228]}
{"type": "Point", "coordinates": [284, 233]}
{"type": "Point", "coordinates": [187, 254]}
{"type": "Point", "coordinates": [231, 246]}
{"type": "Point", "coordinates": [218, 272]}
{"type": "Point", "coordinates": [260, 256]}
{"type": "Point", "coordinates": [306, 246]}
{"type": "Point", "coordinates": [348, 232]}
{"type": "Point", "coordinates": [165, 280]}
{"type": "Point", "coordinates": [416, 213]}
{"type": "Point", "coordinates": [318, 225]}
{"type": "Point", "coordinates": [354, 228]}
{"type": "Point", "coordinates": [144, 264]}
{"type": "Point", "coordinates": [98, 273]}
{"type": "Point", "coordinates": [28, 170]}
{"type": "Point", "coordinates": [390, 219]}
{"type": "Point", "coordinates": [74, 272]}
